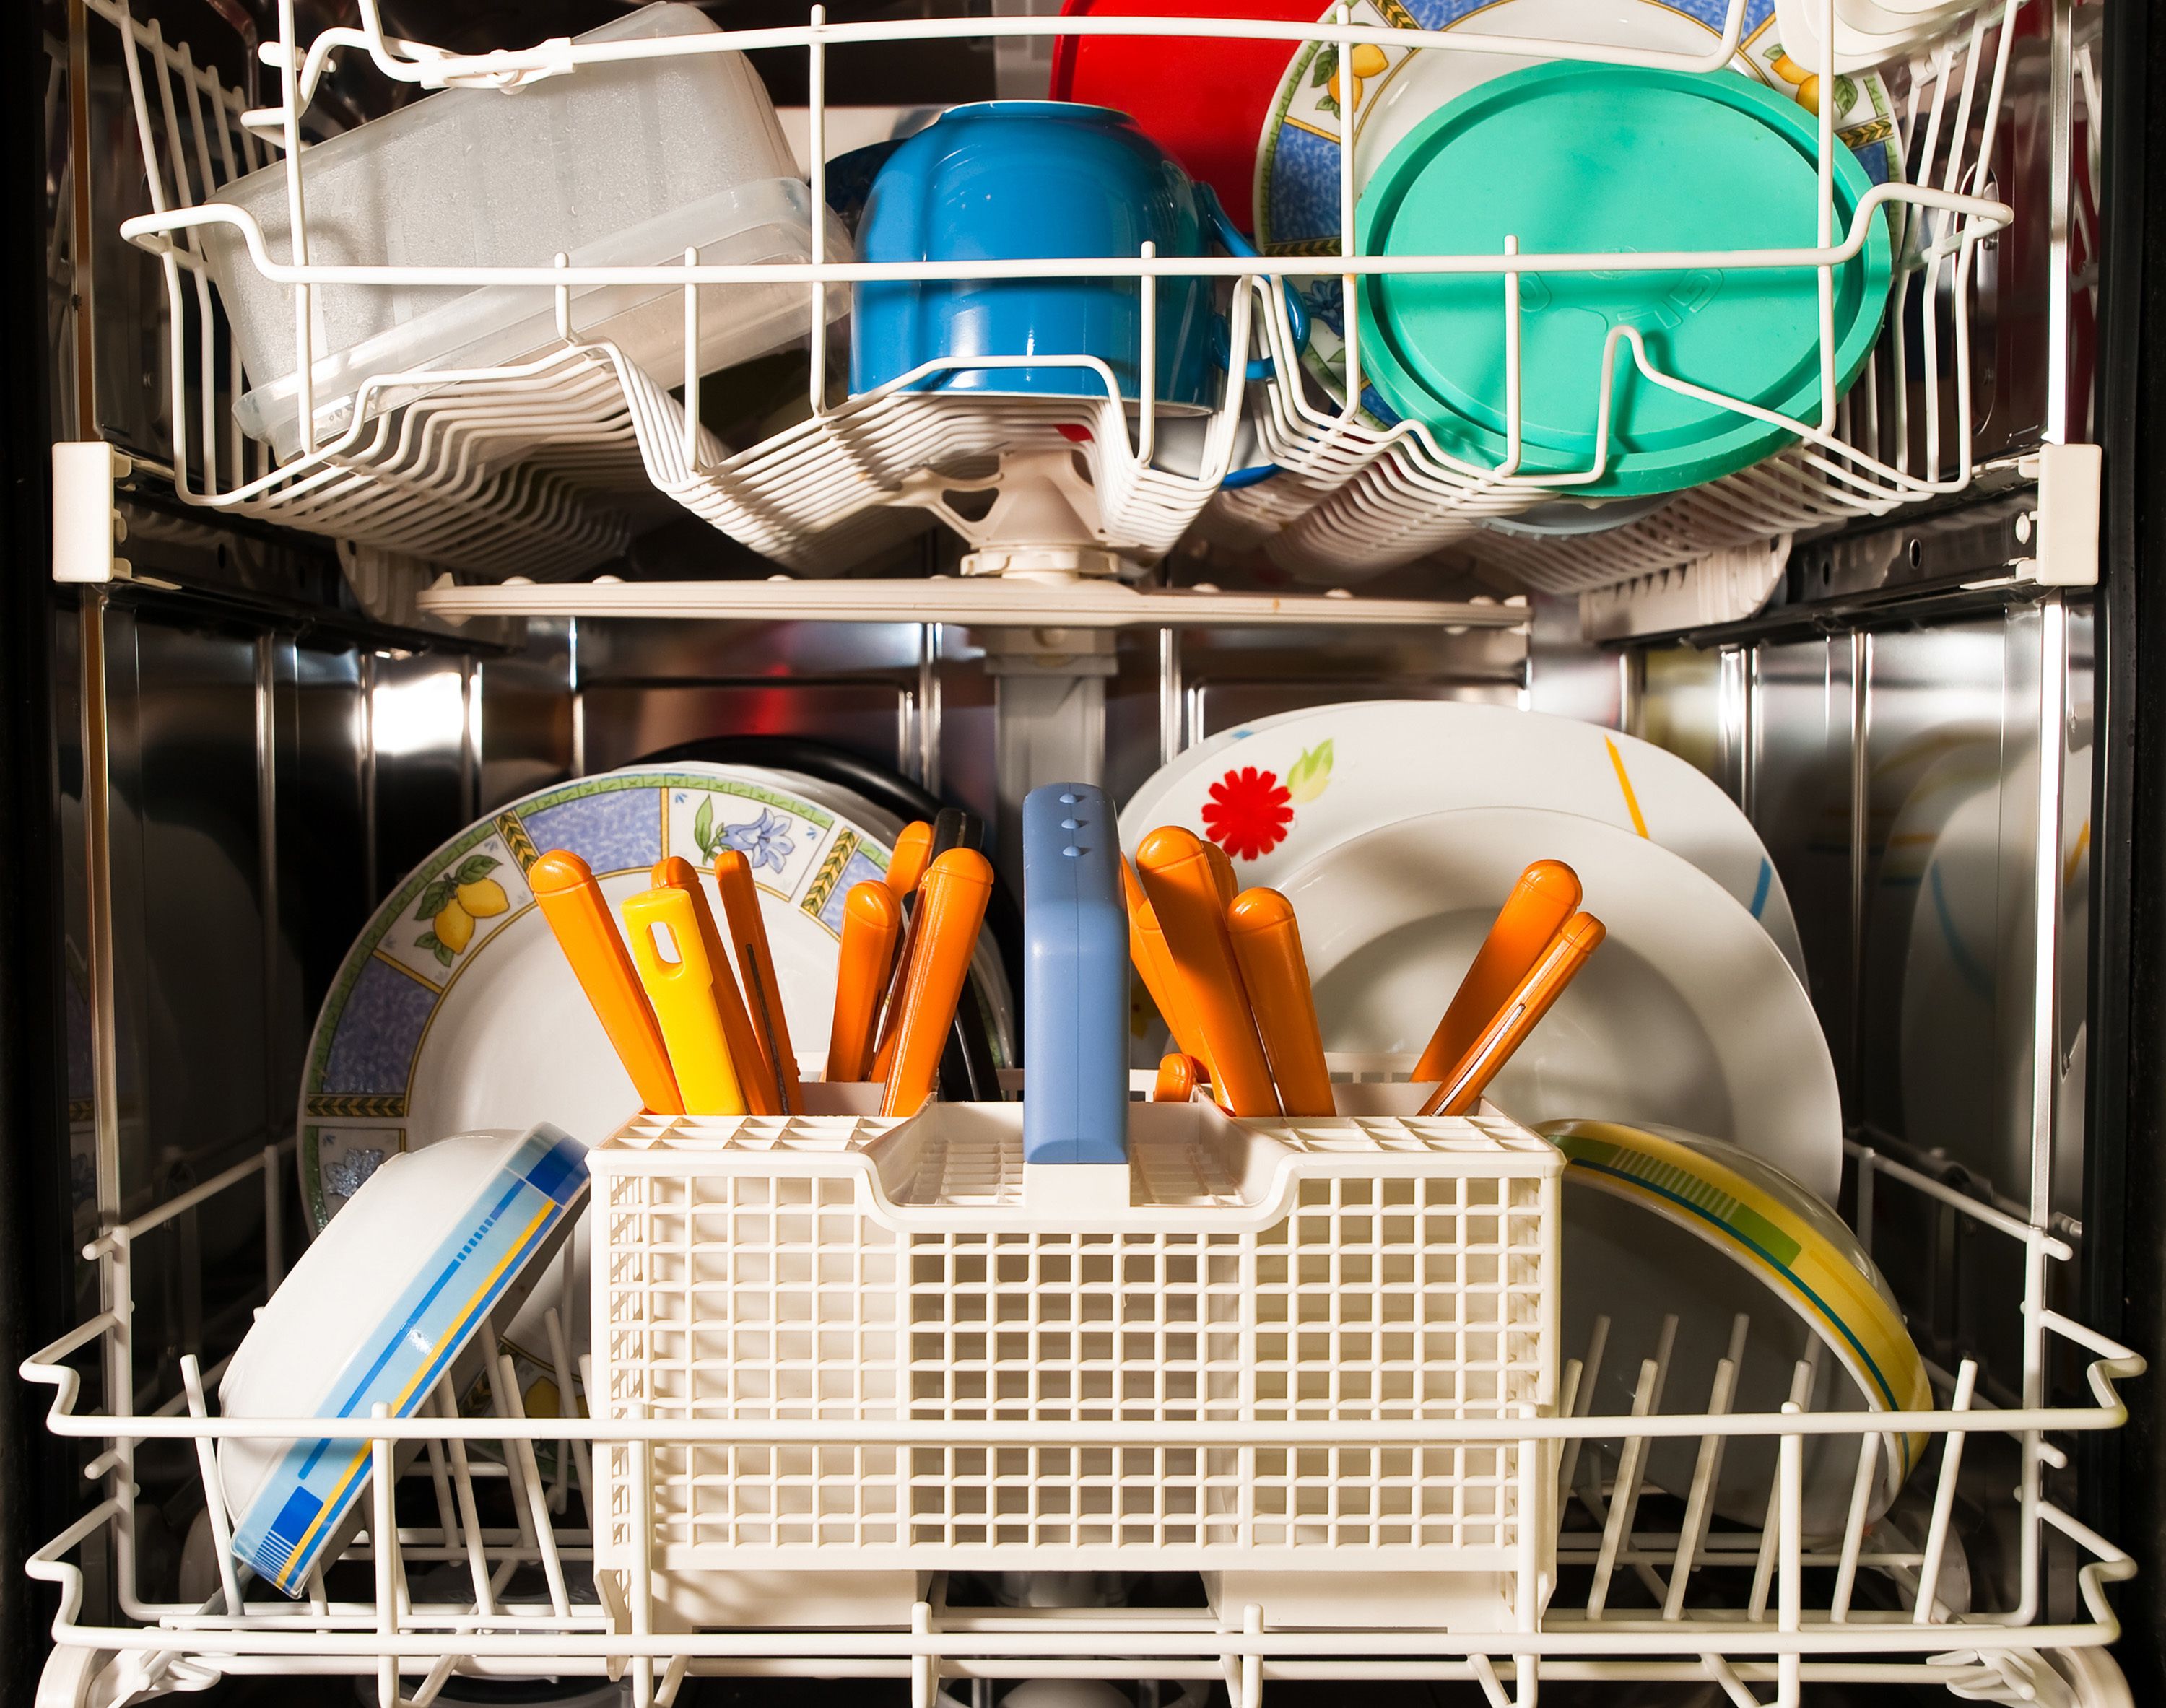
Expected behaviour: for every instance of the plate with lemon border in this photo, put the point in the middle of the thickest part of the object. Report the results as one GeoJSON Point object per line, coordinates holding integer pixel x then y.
{"type": "Point", "coordinates": [454, 1010]}
{"type": "Point", "coordinates": [1660, 1223]}
{"type": "Point", "coordinates": [1394, 89]}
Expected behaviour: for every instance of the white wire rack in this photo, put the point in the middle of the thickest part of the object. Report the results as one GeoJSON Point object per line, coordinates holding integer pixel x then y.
{"type": "Point", "coordinates": [478, 1561]}
{"type": "Point", "coordinates": [1358, 498]}
{"type": "Point", "coordinates": [1349, 498]}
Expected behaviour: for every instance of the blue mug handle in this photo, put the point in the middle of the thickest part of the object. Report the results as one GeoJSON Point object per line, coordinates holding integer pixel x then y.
{"type": "Point", "coordinates": [1231, 238]}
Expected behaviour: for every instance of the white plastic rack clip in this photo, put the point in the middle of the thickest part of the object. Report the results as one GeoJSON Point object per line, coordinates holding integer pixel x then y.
{"type": "Point", "coordinates": [1348, 498]}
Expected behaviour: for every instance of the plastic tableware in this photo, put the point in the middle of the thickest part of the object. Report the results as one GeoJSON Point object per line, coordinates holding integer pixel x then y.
{"type": "Point", "coordinates": [1687, 1016]}
{"type": "Point", "coordinates": [625, 165]}
{"type": "Point", "coordinates": [1024, 181]}
{"type": "Point", "coordinates": [1183, 890]}
{"type": "Point", "coordinates": [1075, 1005]}
{"type": "Point", "coordinates": [1540, 901]}
{"type": "Point", "coordinates": [376, 1311]}
{"type": "Point", "coordinates": [1660, 1222]}
{"type": "Point", "coordinates": [952, 903]}
{"type": "Point", "coordinates": [1275, 973]}
{"type": "Point", "coordinates": [1584, 157]}
{"type": "Point", "coordinates": [754, 1083]}
{"type": "Point", "coordinates": [564, 889]}
{"type": "Point", "coordinates": [1533, 997]}
{"type": "Point", "coordinates": [1297, 167]}
{"type": "Point", "coordinates": [1200, 98]}
{"type": "Point", "coordinates": [684, 987]}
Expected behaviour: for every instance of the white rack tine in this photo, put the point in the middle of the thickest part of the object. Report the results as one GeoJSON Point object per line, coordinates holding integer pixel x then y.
{"type": "Point", "coordinates": [1789, 1604]}
{"type": "Point", "coordinates": [447, 1518]}
{"type": "Point", "coordinates": [568, 1402]}
{"type": "Point", "coordinates": [673, 1677]}
{"type": "Point", "coordinates": [1764, 1573]}
{"type": "Point", "coordinates": [643, 1566]}
{"type": "Point", "coordinates": [439, 1675]}
{"type": "Point", "coordinates": [469, 1510]}
{"type": "Point", "coordinates": [1146, 362]}
{"type": "Point", "coordinates": [383, 1547]}
{"type": "Point", "coordinates": [1706, 1467]}
{"type": "Point", "coordinates": [1485, 1674]}
{"type": "Point", "coordinates": [692, 357]}
{"type": "Point", "coordinates": [221, 1525]}
{"type": "Point", "coordinates": [1582, 1400]}
{"type": "Point", "coordinates": [319, 1602]}
{"type": "Point", "coordinates": [1944, 1499]}
{"type": "Point", "coordinates": [1853, 1528]}
{"type": "Point", "coordinates": [1725, 1675]}
{"type": "Point", "coordinates": [1624, 1495]}
{"type": "Point", "coordinates": [537, 1530]}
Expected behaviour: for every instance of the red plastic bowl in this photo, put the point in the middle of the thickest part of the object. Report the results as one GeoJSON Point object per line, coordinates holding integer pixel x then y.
{"type": "Point", "coordinates": [1201, 100]}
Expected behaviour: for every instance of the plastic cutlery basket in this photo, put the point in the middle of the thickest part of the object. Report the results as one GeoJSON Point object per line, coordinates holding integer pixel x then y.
{"type": "Point", "coordinates": [1075, 1333]}
{"type": "Point", "coordinates": [857, 1271]}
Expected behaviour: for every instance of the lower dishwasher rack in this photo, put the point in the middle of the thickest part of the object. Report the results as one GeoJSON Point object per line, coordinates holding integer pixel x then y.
{"type": "Point", "coordinates": [478, 1558]}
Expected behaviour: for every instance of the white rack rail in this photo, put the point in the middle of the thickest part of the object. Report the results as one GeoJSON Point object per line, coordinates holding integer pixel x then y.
{"type": "Point", "coordinates": [482, 1577]}
{"type": "Point", "coordinates": [1348, 499]}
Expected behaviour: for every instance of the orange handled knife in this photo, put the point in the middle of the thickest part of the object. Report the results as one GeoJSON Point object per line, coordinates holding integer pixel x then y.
{"type": "Point", "coordinates": [912, 854]}
{"type": "Point", "coordinates": [746, 1056]}
{"type": "Point", "coordinates": [1179, 1079]}
{"type": "Point", "coordinates": [1537, 908]}
{"type": "Point", "coordinates": [1147, 949]}
{"type": "Point", "coordinates": [1177, 879]}
{"type": "Point", "coordinates": [1222, 872]}
{"type": "Point", "coordinates": [1267, 949]}
{"type": "Point", "coordinates": [1577, 939]}
{"type": "Point", "coordinates": [872, 921]}
{"type": "Point", "coordinates": [951, 901]}
{"type": "Point", "coordinates": [756, 964]}
{"type": "Point", "coordinates": [571, 901]}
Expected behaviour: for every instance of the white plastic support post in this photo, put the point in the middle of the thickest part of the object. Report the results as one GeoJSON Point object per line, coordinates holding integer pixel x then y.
{"type": "Point", "coordinates": [86, 528]}
{"type": "Point", "coordinates": [2064, 533]}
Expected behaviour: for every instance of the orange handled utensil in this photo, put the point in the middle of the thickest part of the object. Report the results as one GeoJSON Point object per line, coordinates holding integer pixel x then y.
{"type": "Point", "coordinates": [1177, 879]}
{"type": "Point", "coordinates": [756, 964]}
{"type": "Point", "coordinates": [746, 1056]}
{"type": "Point", "coordinates": [1539, 903]}
{"type": "Point", "coordinates": [681, 983]}
{"type": "Point", "coordinates": [1222, 872]}
{"type": "Point", "coordinates": [913, 853]}
{"type": "Point", "coordinates": [1577, 939]}
{"type": "Point", "coordinates": [952, 901]}
{"type": "Point", "coordinates": [872, 922]}
{"type": "Point", "coordinates": [571, 901]}
{"type": "Point", "coordinates": [1275, 973]}
{"type": "Point", "coordinates": [1179, 1079]}
{"type": "Point", "coordinates": [1147, 949]}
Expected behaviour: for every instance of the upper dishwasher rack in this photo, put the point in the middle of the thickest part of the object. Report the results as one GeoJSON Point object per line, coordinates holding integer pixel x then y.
{"type": "Point", "coordinates": [535, 469]}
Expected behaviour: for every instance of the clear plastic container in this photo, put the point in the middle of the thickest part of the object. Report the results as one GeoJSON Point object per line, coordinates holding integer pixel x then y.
{"type": "Point", "coordinates": [627, 164]}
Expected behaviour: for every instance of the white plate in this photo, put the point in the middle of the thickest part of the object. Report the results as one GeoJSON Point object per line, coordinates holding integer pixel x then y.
{"type": "Point", "coordinates": [1306, 781]}
{"type": "Point", "coordinates": [1296, 196]}
{"type": "Point", "coordinates": [1663, 1223]}
{"type": "Point", "coordinates": [1687, 1016]}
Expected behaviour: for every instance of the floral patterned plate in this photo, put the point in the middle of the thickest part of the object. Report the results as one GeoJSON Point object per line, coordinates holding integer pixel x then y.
{"type": "Point", "coordinates": [1276, 793]}
{"type": "Point", "coordinates": [1297, 191]}
{"type": "Point", "coordinates": [455, 1011]}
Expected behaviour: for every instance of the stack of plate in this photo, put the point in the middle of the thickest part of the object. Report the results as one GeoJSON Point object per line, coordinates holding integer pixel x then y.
{"type": "Point", "coordinates": [455, 1011]}
{"type": "Point", "coordinates": [1397, 829]}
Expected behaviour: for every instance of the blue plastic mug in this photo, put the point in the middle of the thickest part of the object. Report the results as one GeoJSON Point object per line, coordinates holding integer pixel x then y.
{"type": "Point", "coordinates": [1036, 180]}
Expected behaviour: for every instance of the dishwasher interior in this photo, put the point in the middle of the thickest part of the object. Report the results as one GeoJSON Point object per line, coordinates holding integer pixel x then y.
{"type": "Point", "coordinates": [277, 681]}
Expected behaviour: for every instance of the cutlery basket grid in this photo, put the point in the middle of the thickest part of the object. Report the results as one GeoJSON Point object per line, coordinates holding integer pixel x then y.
{"type": "Point", "coordinates": [1351, 497]}
{"type": "Point", "coordinates": [851, 1270]}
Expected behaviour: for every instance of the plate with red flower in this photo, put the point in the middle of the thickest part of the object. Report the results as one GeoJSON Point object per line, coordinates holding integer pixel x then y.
{"type": "Point", "coordinates": [1277, 792]}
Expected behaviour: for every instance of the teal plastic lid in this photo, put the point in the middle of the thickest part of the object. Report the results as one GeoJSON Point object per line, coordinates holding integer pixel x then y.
{"type": "Point", "coordinates": [1613, 158]}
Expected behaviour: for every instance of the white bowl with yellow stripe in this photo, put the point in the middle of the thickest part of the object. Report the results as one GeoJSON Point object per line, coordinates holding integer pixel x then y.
{"type": "Point", "coordinates": [1659, 1223]}
{"type": "Point", "coordinates": [378, 1311]}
